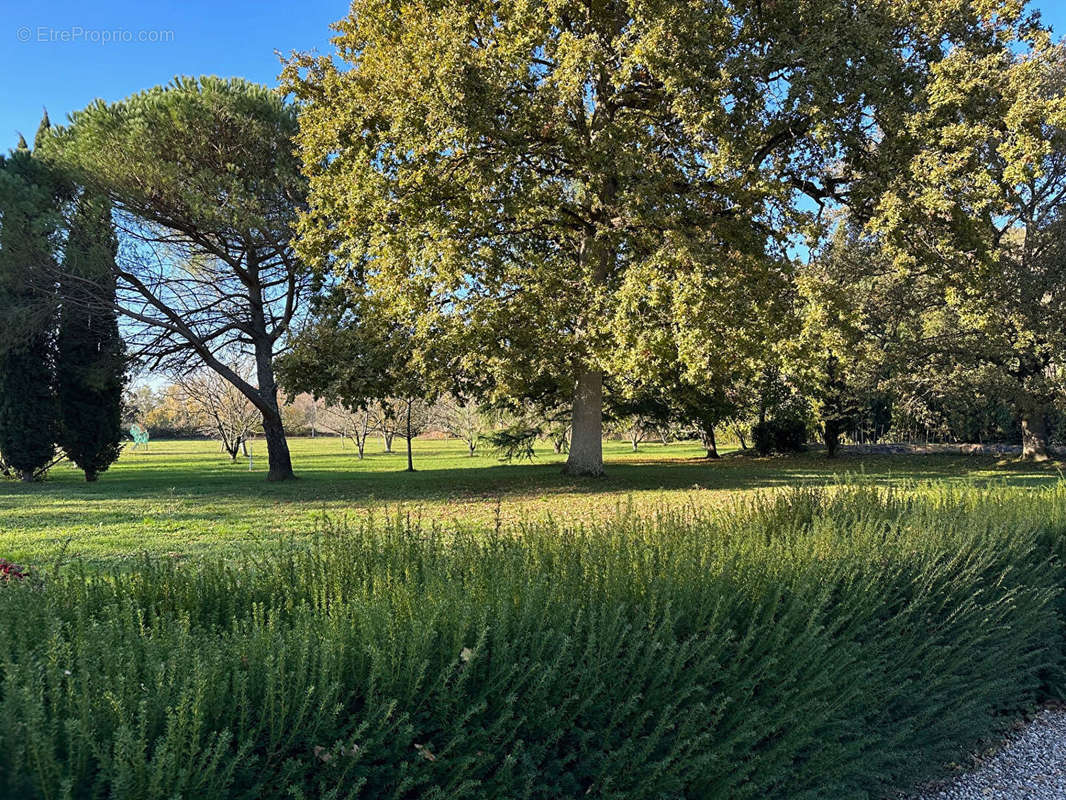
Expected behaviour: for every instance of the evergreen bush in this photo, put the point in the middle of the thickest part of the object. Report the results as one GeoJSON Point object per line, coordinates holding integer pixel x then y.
{"type": "Point", "coordinates": [816, 644]}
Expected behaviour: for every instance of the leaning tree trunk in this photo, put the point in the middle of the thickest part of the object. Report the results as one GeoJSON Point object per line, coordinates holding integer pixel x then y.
{"type": "Point", "coordinates": [278, 458]}
{"type": "Point", "coordinates": [586, 435]}
{"type": "Point", "coordinates": [1035, 435]}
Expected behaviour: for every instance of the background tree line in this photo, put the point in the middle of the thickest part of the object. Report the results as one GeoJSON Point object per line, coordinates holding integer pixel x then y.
{"type": "Point", "coordinates": [832, 219]}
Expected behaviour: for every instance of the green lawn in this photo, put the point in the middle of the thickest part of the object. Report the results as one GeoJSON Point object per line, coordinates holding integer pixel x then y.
{"type": "Point", "coordinates": [185, 497]}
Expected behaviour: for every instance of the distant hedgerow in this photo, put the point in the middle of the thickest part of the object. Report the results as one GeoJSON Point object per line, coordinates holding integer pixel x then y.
{"type": "Point", "coordinates": [813, 645]}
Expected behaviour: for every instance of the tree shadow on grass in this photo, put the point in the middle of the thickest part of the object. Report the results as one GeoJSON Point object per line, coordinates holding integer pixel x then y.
{"type": "Point", "coordinates": [320, 480]}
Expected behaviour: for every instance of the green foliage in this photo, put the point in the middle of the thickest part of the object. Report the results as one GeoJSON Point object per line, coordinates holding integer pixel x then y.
{"type": "Point", "coordinates": [574, 189]}
{"type": "Point", "coordinates": [202, 174]}
{"type": "Point", "coordinates": [815, 645]}
{"type": "Point", "coordinates": [516, 441]}
{"type": "Point", "coordinates": [90, 355]}
{"type": "Point", "coordinates": [787, 434]}
{"type": "Point", "coordinates": [30, 221]}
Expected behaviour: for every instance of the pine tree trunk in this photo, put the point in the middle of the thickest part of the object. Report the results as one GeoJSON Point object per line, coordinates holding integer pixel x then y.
{"type": "Point", "coordinates": [277, 449]}
{"type": "Point", "coordinates": [1034, 435]}
{"type": "Point", "coordinates": [586, 436]}
{"type": "Point", "coordinates": [278, 458]}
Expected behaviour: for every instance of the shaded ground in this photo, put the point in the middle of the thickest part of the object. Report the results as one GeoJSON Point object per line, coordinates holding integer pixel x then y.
{"type": "Point", "coordinates": [185, 497]}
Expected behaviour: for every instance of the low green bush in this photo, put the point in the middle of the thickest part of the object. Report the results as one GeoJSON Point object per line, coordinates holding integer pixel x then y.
{"type": "Point", "coordinates": [787, 435]}
{"type": "Point", "coordinates": [816, 645]}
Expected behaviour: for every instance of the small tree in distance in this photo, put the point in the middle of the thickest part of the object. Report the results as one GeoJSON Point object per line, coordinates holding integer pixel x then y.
{"type": "Point", "coordinates": [353, 424]}
{"type": "Point", "coordinates": [219, 409]}
{"type": "Point", "coordinates": [463, 419]}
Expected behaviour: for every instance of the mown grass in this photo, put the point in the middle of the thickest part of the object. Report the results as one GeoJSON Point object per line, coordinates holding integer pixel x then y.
{"type": "Point", "coordinates": [185, 498]}
{"type": "Point", "coordinates": [809, 644]}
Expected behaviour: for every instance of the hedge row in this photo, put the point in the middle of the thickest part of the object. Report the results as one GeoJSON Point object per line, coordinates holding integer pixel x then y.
{"type": "Point", "coordinates": [812, 645]}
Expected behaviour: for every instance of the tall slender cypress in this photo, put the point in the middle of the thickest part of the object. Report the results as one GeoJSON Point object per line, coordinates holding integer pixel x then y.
{"type": "Point", "coordinates": [29, 221]}
{"type": "Point", "coordinates": [90, 358]}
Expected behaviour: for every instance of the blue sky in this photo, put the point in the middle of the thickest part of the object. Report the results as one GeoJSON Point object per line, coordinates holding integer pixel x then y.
{"type": "Point", "coordinates": [64, 54]}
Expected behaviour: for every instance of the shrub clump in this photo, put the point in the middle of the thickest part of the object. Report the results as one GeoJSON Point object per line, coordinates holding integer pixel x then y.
{"type": "Point", "coordinates": [786, 435]}
{"type": "Point", "coordinates": [809, 646]}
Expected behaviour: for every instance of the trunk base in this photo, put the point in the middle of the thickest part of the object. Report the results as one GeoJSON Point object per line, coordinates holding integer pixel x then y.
{"type": "Point", "coordinates": [1034, 437]}
{"type": "Point", "coordinates": [575, 471]}
{"type": "Point", "coordinates": [586, 433]}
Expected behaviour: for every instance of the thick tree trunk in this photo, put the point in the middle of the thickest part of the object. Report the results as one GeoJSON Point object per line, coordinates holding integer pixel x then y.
{"type": "Point", "coordinates": [832, 438]}
{"type": "Point", "coordinates": [387, 439]}
{"type": "Point", "coordinates": [1035, 435]}
{"type": "Point", "coordinates": [278, 457]}
{"type": "Point", "coordinates": [90, 476]}
{"type": "Point", "coordinates": [710, 443]}
{"type": "Point", "coordinates": [26, 475]}
{"type": "Point", "coordinates": [586, 436]}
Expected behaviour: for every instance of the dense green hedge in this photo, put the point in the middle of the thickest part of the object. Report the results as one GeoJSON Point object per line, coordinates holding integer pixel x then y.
{"type": "Point", "coordinates": [808, 646]}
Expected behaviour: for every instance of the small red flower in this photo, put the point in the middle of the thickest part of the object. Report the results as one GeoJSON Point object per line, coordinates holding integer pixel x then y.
{"type": "Point", "coordinates": [10, 572]}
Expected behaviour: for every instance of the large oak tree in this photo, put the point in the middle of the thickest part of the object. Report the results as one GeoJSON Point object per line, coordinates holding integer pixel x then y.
{"type": "Point", "coordinates": [979, 213]}
{"type": "Point", "coordinates": [518, 169]}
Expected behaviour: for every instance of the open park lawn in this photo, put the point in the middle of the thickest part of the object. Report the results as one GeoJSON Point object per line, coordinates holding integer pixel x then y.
{"type": "Point", "coordinates": [184, 497]}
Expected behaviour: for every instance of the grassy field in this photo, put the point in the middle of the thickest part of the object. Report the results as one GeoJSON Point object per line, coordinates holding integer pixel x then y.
{"type": "Point", "coordinates": [185, 498]}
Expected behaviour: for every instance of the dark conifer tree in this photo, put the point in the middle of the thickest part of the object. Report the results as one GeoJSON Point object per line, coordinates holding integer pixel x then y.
{"type": "Point", "coordinates": [29, 221]}
{"type": "Point", "coordinates": [90, 359]}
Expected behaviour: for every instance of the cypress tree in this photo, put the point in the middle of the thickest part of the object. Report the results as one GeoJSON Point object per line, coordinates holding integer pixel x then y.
{"type": "Point", "coordinates": [90, 360]}
{"type": "Point", "coordinates": [29, 207]}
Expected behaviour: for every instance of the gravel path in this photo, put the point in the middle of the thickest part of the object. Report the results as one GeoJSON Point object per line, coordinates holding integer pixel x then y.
{"type": "Point", "coordinates": [1031, 766]}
